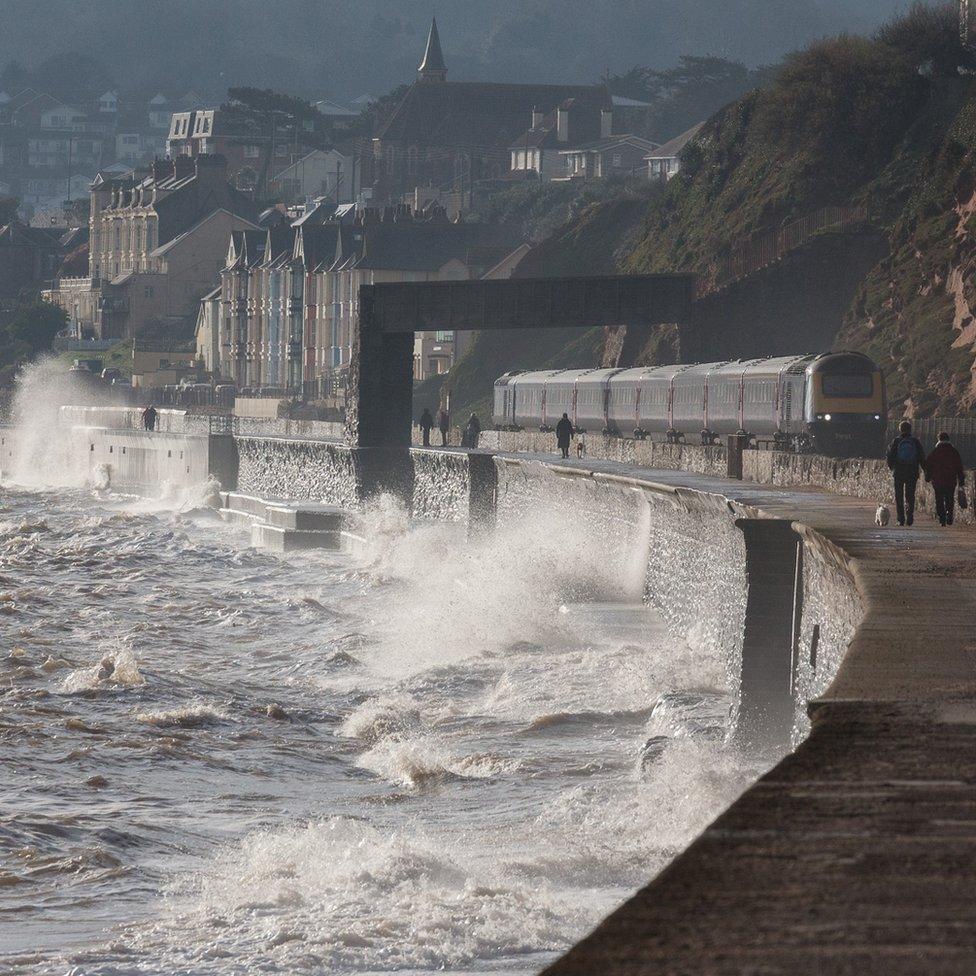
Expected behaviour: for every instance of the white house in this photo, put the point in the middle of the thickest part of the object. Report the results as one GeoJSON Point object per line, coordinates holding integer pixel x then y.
{"type": "Point", "coordinates": [108, 102]}
{"type": "Point", "coordinates": [665, 162]}
{"type": "Point", "coordinates": [322, 173]}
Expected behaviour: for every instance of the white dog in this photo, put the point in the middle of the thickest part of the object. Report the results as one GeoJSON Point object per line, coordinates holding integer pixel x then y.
{"type": "Point", "coordinates": [882, 516]}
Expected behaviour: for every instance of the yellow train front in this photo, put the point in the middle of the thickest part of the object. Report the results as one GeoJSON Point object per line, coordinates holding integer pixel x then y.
{"type": "Point", "coordinates": [845, 405]}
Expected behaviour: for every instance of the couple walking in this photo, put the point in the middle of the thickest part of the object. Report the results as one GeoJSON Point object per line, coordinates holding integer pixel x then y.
{"type": "Point", "coordinates": [943, 468]}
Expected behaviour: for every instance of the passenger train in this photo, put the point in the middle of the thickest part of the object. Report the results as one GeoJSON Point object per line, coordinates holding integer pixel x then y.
{"type": "Point", "coordinates": [833, 403]}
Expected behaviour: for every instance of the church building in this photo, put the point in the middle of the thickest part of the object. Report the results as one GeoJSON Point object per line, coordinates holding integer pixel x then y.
{"type": "Point", "coordinates": [452, 134]}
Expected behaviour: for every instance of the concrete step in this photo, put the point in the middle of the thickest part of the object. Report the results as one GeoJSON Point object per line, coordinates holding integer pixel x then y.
{"type": "Point", "coordinates": [279, 539]}
{"type": "Point", "coordinates": [305, 517]}
{"type": "Point", "coordinates": [251, 504]}
{"type": "Point", "coordinates": [234, 517]}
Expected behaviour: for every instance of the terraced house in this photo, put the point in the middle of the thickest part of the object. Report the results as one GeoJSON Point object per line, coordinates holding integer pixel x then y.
{"type": "Point", "coordinates": [289, 296]}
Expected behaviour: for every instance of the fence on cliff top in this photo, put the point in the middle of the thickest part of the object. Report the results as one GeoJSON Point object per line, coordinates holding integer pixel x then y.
{"type": "Point", "coordinates": [961, 431]}
{"type": "Point", "coordinates": [771, 246]}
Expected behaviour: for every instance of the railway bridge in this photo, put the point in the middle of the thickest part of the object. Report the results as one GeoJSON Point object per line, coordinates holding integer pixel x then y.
{"type": "Point", "coordinates": [380, 397]}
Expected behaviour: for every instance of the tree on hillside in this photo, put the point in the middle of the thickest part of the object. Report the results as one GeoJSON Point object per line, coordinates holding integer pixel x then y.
{"type": "Point", "coordinates": [8, 209]}
{"type": "Point", "coordinates": [266, 102]}
{"type": "Point", "coordinates": [32, 330]}
{"type": "Point", "coordinates": [686, 94]}
{"type": "Point", "coordinates": [929, 38]}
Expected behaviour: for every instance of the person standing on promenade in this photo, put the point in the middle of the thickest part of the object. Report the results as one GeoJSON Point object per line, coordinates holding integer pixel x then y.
{"type": "Point", "coordinates": [472, 432]}
{"type": "Point", "coordinates": [564, 434]}
{"type": "Point", "coordinates": [149, 417]}
{"type": "Point", "coordinates": [443, 424]}
{"type": "Point", "coordinates": [426, 423]}
{"type": "Point", "coordinates": [943, 468]}
{"type": "Point", "coordinates": [906, 458]}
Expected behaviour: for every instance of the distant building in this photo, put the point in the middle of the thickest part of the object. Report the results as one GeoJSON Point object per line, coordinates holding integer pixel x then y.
{"type": "Point", "coordinates": [665, 161]}
{"type": "Point", "coordinates": [327, 173]}
{"type": "Point", "coordinates": [29, 258]}
{"type": "Point", "coordinates": [156, 242]}
{"type": "Point", "coordinates": [622, 155]}
{"type": "Point", "coordinates": [575, 122]}
{"type": "Point", "coordinates": [453, 134]}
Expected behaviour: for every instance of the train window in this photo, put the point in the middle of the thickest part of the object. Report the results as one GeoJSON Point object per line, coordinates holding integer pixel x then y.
{"type": "Point", "coordinates": [841, 385]}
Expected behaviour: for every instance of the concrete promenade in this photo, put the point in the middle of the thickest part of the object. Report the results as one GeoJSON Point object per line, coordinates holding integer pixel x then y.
{"type": "Point", "coordinates": [856, 854]}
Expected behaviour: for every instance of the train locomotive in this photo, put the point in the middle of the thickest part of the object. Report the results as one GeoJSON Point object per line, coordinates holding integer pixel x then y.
{"type": "Point", "coordinates": [833, 403]}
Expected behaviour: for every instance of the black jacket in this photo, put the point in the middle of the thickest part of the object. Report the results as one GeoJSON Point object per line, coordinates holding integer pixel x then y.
{"type": "Point", "coordinates": [564, 431]}
{"type": "Point", "coordinates": [907, 470]}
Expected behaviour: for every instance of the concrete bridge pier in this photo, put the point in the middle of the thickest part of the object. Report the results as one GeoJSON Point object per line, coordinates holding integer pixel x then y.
{"type": "Point", "coordinates": [380, 406]}
{"type": "Point", "coordinates": [773, 608]}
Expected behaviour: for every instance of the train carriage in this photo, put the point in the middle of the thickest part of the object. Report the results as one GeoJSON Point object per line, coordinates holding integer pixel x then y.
{"type": "Point", "coordinates": [834, 403]}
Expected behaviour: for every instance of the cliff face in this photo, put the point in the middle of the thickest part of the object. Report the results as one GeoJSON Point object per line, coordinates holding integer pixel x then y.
{"type": "Point", "coordinates": [915, 312]}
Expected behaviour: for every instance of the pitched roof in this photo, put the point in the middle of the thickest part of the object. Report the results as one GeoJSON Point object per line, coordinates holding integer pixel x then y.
{"type": "Point", "coordinates": [673, 148]}
{"type": "Point", "coordinates": [433, 60]}
{"type": "Point", "coordinates": [612, 142]}
{"type": "Point", "coordinates": [17, 232]}
{"type": "Point", "coordinates": [173, 242]}
{"type": "Point", "coordinates": [419, 245]}
{"type": "Point", "coordinates": [585, 122]}
{"type": "Point", "coordinates": [474, 113]}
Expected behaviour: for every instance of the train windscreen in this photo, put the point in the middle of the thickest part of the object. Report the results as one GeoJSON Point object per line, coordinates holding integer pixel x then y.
{"type": "Point", "coordinates": [848, 385]}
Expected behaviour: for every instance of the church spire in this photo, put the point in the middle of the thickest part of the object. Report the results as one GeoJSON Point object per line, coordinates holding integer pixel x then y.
{"type": "Point", "coordinates": [432, 68]}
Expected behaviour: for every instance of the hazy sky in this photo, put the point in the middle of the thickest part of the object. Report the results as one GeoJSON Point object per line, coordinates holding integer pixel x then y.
{"type": "Point", "coordinates": [347, 47]}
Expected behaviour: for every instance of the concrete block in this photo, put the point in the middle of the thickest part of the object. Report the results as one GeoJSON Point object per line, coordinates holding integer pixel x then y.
{"type": "Point", "coordinates": [278, 539]}
{"type": "Point", "coordinates": [305, 517]}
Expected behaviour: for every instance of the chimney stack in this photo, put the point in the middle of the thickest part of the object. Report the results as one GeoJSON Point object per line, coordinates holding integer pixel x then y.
{"type": "Point", "coordinates": [606, 123]}
{"type": "Point", "coordinates": [562, 124]}
{"type": "Point", "coordinates": [536, 117]}
{"type": "Point", "coordinates": [183, 166]}
{"type": "Point", "coordinates": [211, 168]}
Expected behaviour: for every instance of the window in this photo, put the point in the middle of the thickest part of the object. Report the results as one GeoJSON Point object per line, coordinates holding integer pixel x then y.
{"type": "Point", "coordinates": [149, 291]}
{"type": "Point", "coordinates": [616, 160]}
{"type": "Point", "coordinates": [840, 385]}
{"type": "Point", "coordinates": [251, 152]}
{"type": "Point", "coordinates": [130, 140]}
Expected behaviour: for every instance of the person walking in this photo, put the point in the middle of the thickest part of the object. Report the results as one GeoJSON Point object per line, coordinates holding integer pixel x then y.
{"type": "Point", "coordinates": [906, 458]}
{"type": "Point", "coordinates": [426, 423]}
{"type": "Point", "coordinates": [149, 417]}
{"type": "Point", "coordinates": [943, 468]}
{"type": "Point", "coordinates": [472, 432]}
{"type": "Point", "coordinates": [564, 434]}
{"type": "Point", "coordinates": [443, 424]}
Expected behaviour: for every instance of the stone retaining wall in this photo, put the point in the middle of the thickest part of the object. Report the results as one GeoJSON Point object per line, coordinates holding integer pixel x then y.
{"type": "Point", "coordinates": [645, 454]}
{"type": "Point", "coordinates": [854, 477]}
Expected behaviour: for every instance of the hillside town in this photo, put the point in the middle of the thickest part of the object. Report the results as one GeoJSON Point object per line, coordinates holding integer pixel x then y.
{"type": "Point", "coordinates": [244, 231]}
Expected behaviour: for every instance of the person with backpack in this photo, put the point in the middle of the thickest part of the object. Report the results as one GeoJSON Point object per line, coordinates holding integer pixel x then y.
{"type": "Point", "coordinates": [906, 459]}
{"type": "Point", "coordinates": [943, 468]}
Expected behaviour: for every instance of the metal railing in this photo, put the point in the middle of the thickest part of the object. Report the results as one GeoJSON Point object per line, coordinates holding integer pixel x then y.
{"type": "Point", "coordinates": [961, 431]}
{"type": "Point", "coordinates": [771, 246]}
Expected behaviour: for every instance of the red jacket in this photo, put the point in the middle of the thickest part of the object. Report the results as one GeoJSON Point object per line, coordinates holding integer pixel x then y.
{"type": "Point", "coordinates": [943, 467]}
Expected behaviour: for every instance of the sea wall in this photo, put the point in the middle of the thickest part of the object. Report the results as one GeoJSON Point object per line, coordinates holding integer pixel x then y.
{"type": "Point", "coordinates": [782, 630]}
{"type": "Point", "coordinates": [301, 469]}
{"type": "Point", "coordinates": [644, 454]}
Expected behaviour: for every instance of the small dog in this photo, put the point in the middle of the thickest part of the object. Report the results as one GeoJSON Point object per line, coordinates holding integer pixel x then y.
{"type": "Point", "coordinates": [882, 516]}
{"type": "Point", "coordinates": [580, 449]}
